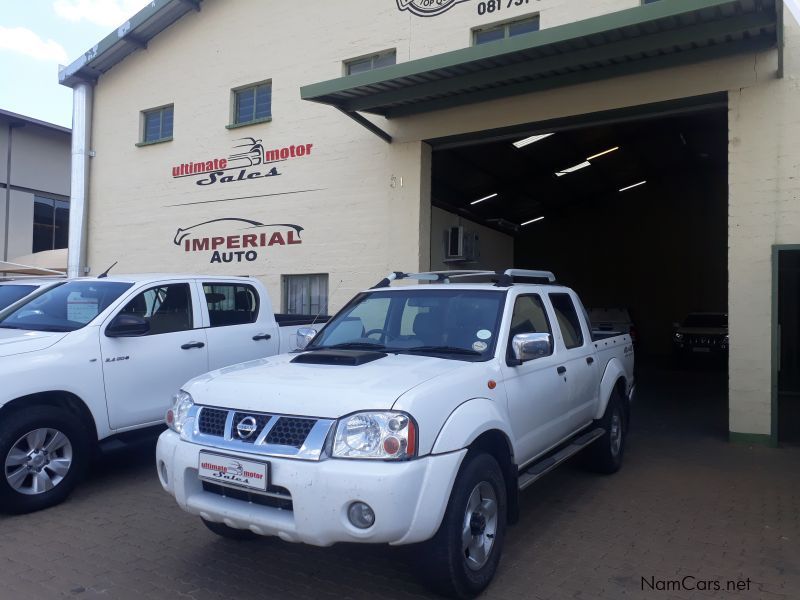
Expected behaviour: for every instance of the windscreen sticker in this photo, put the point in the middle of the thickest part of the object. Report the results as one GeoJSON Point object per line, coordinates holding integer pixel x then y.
{"type": "Point", "coordinates": [483, 334]}
{"type": "Point", "coordinates": [479, 346]}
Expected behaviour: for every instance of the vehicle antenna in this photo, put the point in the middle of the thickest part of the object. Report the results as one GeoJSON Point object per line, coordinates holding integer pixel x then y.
{"type": "Point", "coordinates": [104, 274]}
{"type": "Point", "coordinates": [326, 304]}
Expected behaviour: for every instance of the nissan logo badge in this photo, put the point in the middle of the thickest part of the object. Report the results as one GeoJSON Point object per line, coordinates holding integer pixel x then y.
{"type": "Point", "coordinates": [246, 427]}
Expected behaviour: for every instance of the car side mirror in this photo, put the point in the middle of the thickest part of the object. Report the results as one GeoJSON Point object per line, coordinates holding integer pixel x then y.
{"type": "Point", "coordinates": [127, 326]}
{"type": "Point", "coordinates": [530, 346]}
{"type": "Point", "coordinates": [304, 336]}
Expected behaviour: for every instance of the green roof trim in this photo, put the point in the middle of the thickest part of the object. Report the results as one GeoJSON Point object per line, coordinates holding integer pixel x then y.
{"type": "Point", "coordinates": [638, 39]}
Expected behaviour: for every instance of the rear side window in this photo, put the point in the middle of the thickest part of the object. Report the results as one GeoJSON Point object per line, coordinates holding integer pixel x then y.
{"type": "Point", "coordinates": [168, 308]}
{"type": "Point", "coordinates": [231, 304]}
{"type": "Point", "coordinates": [568, 320]}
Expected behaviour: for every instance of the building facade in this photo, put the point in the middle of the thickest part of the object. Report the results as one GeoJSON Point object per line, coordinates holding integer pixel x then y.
{"type": "Point", "coordinates": [35, 184]}
{"type": "Point", "coordinates": [297, 142]}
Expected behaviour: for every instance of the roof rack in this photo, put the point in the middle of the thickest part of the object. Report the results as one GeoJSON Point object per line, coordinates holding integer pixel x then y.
{"type": "Point", "coordinates": [505, 279]}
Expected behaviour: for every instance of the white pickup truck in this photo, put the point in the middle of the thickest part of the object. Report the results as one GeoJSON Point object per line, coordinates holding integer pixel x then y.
{"type": "Point", "coordinates": [414, 416]}
{"type": "Point", "coordinates": [95, 360]}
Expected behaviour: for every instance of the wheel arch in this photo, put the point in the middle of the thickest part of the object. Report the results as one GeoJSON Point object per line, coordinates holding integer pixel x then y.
{"type": "Point", "coordinates": [614, 379]}
{"type": "Point", "coordinates": [55, 398]}
{"type": "Point", "coordinates": [497, 444]}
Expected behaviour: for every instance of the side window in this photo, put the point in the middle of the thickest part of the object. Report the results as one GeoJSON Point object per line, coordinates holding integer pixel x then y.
{"type": "Point", "coordinates": [168, 308]}
{"type": "Point", "coordinates": [529, 316]}
{"type": "Point", "coordinates": [568, 320]}
{"type": "Point", "coordinates": [230, 304]}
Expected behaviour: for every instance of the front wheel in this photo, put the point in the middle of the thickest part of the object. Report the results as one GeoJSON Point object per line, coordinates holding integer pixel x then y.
{"type": "Point", "coordinates": [461, 559]}
{"type": "Point", "coordinates": [44, 451]}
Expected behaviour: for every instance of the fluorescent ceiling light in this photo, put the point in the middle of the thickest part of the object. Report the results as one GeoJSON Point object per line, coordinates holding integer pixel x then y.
{"type": "Point", "coordinates": [599, 154]}
{"type": "Point", "coordinates": [531, 221]}
{"type": "Point", "coordinates": [583, 165]}
{"type": "Point", "coordinates": [489, 197]}
{"type": "Point", "coordinates": [630, 187]}
{"type": "Point", "coordinates": [531, 140]}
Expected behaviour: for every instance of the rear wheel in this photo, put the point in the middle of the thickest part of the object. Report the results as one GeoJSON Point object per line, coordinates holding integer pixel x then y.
{"type": "Point", "coordinates": [44, 452]}
{"type": "Point", "coordinates": [605, 455]}
{"type": "Point", "coordinates": [462, 558]}
{"type": "Point", "coordinates": [230, 533]}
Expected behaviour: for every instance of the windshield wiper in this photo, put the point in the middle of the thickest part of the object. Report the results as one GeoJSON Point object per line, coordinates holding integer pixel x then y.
{"type": "Point", "coordinates": [350, 346]}
{"type": "Point", "coordinates": [439, 350]}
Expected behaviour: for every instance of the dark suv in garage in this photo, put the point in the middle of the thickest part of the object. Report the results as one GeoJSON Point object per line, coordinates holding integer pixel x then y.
{"type": "Point", "coordinates": [701, 334]}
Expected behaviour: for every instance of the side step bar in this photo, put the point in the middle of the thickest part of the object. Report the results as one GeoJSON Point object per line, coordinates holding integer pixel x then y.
{"type": "Point", "coordinates": [551, 461]}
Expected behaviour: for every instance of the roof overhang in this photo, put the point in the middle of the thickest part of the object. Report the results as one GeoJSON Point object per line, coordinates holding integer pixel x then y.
{"type": "Point", "coordinates": [131, 36]}
{"type": "Point", "coordinates": [644, 38]}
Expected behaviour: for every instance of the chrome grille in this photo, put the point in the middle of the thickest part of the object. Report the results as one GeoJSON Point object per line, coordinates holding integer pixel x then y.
{"type": "Point", "coordinates": [261, 422]}
{"type": "Point", "coordinates": [212, 421]}
{"type": "Point", "coordinates": [290, 431]}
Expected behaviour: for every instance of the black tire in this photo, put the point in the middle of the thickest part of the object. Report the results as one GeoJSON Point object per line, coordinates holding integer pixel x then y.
{"type": "Point", "coordinates": [605, 455]}
{"type": "Point", "coordinates": [230, 533]}
{"type": "Point", "coordinates": [443, 562]}
{"type": "Point", "coordinates": [62, 466]}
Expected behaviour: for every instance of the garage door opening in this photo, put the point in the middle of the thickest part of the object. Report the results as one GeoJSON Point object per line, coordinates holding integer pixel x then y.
{"type": "Point", "coordinates": [630, 210]}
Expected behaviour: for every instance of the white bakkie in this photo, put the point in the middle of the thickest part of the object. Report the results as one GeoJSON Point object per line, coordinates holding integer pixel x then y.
{"type": "Point", "coordinates": [91, 360]}
{"type": "Point", "coordinates": [414, 416]}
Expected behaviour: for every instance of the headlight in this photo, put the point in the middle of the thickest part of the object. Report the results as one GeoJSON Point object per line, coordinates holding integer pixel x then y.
{"type": "Point", "coordinates": [181, 403]}
{"type": "Point", "coordinates": [376, 435]}
{"type": "Point", "coordinates": [677, 336]}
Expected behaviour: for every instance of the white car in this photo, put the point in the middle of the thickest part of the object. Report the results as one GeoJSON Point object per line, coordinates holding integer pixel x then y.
{"type": "Point", "coordinates": [14, 290]}
{"type": "Point", "coordinates": [414, 416]}
{"type": "Point", "coordinates": [97, 360]}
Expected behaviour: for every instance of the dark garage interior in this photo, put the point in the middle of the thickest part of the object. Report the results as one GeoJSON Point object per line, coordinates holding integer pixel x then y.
{"type": "Point", "coordinates": [657, 248]}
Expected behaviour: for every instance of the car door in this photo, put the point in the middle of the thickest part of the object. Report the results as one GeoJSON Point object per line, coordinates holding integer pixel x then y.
{"type": "Point", "coordinates": [578, 360]}
{"type": "Point", "coordinates": [240, 324]}
{"type": "Point", "coordinates": [537, 393]}
{"type": "Point", "coordinates": [142, 373]}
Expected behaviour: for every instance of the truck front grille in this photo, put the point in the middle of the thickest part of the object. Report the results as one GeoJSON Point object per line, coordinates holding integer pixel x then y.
{"type": "Point", "coordinates": [279, 497]}
{"type": "Point", "coordinates": [290, 431]}
{"type": "Point", "coordinates": [261, 421]}
{"type": "Point", "coordinates": [212, 421]}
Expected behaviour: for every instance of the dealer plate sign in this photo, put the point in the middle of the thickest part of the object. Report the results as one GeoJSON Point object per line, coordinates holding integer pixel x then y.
{"type": "Point", "coordinates": [232, 470]}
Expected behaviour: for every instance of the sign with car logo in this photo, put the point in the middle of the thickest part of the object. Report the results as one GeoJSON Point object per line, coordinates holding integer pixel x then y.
{"type": "Point", "coordinates": [231, 470]}
{"type": "Point", "coordinates": [246, 427]}
{"type": "Point", "coordinates": [427, 8]}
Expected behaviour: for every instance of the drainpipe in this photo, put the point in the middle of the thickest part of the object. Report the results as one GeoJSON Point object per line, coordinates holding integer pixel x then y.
{"type": "Point", "coordinates": [11, 126]}
{"type": "Point", "coordinates": [82, 94]}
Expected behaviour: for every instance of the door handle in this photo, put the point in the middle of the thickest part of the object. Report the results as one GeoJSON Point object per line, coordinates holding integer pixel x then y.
{"type": "Point", "coordinates": [589, 360]}
{"type": "Point", "coordinates": [191, 345]}
{"type": "Point", "coordinates": [262, 336]}
{"type": "Point", "coordinates": [561, 370]}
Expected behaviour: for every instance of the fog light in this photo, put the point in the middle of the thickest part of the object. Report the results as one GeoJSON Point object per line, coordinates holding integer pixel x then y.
{"type": "Point", "coordinates": [361, 515]}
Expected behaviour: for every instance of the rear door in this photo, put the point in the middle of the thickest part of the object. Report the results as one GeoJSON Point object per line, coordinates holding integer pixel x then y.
{"type": "Point", "coordinates": [240, 324]}
{"type": "Point", "coordinates": [141, 374]}
{"type": "Point", "coordinates": [578, 361]}
{"type": "Point", "coordinates": [538, 395]}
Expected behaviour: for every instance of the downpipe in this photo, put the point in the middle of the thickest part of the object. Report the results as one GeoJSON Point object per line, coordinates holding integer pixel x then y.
{"type": "Point", "coordinates": [82, 97]}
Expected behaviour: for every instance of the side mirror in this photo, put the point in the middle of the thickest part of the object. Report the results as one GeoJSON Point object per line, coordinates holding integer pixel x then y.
{"type": "Point", "coordinates": [530, 346]}
{"type": "Point", "coordinates": [127, 326]}
{"type": "Point", "coordinates": [304, 336]}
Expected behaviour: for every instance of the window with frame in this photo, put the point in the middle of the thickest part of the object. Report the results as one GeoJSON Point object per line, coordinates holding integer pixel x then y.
{"type": "Point", "coordinates": [305, 294]}
{"type": "Point", "coordinates": [50, 223]}
{"type": "Point", "coordinates": [568, 320]}
{"type": "Point", "coordinates": [230, 304]}
{"type": "Point", "coordinates": [157, 124]}
{"type": "Point", "coordinates": [529, 316]}
{"type": "Point", "coordinates": [501, 31]}
{"type": "Point", "coordinates": [370, 63]}
{"type": "Point", "coordinates": [252, 104]}
{"type": "Point", "coordinates": [168, 308]}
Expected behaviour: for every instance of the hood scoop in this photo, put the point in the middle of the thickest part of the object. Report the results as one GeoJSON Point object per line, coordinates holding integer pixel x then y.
{"type": "Point", "coordinates": [351, 358]}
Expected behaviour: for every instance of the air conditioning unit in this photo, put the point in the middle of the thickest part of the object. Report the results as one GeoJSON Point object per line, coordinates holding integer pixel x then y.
{"type": "Point", "coordinates": [460, 245]}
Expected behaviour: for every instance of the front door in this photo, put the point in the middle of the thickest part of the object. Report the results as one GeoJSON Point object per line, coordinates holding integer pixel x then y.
{"type": "Point", "coordinates": [789, 346]}
{"type": "Point", "coordinates": [142, 374]}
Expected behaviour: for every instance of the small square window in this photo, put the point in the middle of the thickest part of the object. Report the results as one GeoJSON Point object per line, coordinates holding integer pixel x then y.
{"type": "Point", "coordinates": [370, 63]}
{"type": "Point", "coordinates": [252, 104]}
{"type": "Point", "coordinates": [501, 31]}
{"type": "Point", "coordinates": [157, 126]}
{"type": "Point", "coordinates": [305, 294]}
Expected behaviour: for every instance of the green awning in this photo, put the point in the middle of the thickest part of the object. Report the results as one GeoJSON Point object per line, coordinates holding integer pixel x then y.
{"type": "Point", "coordinates": [652, 36]}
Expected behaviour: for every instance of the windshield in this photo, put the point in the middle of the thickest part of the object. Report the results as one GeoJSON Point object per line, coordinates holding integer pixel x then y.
{"type": "Point", "coordinates": [66, 307]}
{"type": "Point", "coordinates": [711, 320]}
{"type": "Point", "coordinates": [460, 324]}
{"type": "Point", "coordinates": [11, 293]}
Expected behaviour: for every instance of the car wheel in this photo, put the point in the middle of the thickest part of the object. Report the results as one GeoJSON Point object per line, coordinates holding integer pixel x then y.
{"type": "Point", "coordinates": [605, 454]}
{"type": "Point", "coordinates": [230, 533]}
{"type": "Point", "coordinates": [44, 453]}
{"type": "Point", "coordinates": [462, 558]}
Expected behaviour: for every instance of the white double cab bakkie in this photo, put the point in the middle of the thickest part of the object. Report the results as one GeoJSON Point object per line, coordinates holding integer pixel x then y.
{"type": "Point", "coordinates": [92, 360]}
{"type": "Point", "coordinates": [414, 416]}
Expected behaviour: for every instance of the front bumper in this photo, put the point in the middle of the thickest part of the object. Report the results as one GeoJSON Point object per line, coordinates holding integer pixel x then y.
{"type": "Point", "coordinates": [409, 498]}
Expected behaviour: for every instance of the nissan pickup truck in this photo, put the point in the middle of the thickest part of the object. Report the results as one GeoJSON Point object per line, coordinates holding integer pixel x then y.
{"type": "Point", "coordinates": [415, 416]}
{"type": "Point", "coordinates": [95, 361]}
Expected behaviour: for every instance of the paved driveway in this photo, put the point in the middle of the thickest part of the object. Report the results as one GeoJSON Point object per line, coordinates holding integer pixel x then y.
{"type": "Point", "coordinates": [686, 505]}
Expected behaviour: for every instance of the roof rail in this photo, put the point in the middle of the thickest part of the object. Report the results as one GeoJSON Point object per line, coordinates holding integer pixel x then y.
{"type": "Point", "coordinates": [504, 279]}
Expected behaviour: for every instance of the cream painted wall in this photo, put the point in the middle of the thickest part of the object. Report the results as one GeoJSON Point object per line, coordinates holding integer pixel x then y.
{"type": "Point", "coordinates": [364, 204]}
{"type": "Point", "coordinates": [496, 248]}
